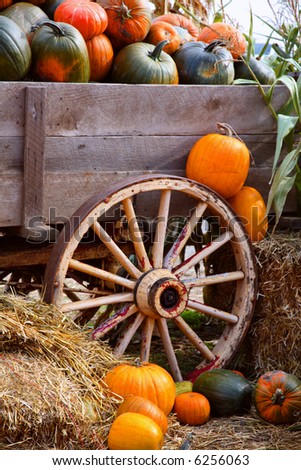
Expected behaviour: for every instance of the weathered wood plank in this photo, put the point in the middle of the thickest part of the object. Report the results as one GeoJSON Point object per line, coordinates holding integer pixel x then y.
{"type": "Point", "coordinates": [130, 153]}
{"type": "Point", "coordinates": [114, 109]}
{"type": "Point", "coordinates": [34, 161]}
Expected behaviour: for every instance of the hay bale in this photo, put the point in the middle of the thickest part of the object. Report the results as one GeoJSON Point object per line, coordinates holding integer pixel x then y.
{"type": "Point", "coordinates": [51, 373]}
{"type": "Point", "coordinates": [274, 338]}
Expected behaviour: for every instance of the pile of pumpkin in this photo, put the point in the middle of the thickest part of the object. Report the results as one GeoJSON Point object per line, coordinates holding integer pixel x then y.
{"type": "Point", "coordinates": [149, 395]}
{"type": "Point", "coordinates": [118, 41]}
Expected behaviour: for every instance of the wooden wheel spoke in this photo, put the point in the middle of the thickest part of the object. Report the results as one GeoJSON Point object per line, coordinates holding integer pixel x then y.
{"type": "Point", "coordinates": [146, 338]}
{"type": "Point", "coordinates": [114, 320]}
{"type": "Point", "coordinates": [158, 246]}
{"type": "Point", "coordinates": [101, 274]}
{"type": "Point", "coordinates": [171, 257]}
{"type": "Point", "coordinates": [194, 339]}
{"type": "Point", "coordinates": [127, 334]}
{"type": "Point", "coordinates": [203, 253]}
{"type": "Point", "coordinates": [136, 235]}
{"type": "Point", "coordinates": [214, 279]}
{"type": "Point", "coordinates": [98, 301]}
{"type": "Point", "coordinates": [212, 312]}
{"type": "Point", "coordinates": [116, 251]}
{"type": "Point", "coordinates": [167, 344]}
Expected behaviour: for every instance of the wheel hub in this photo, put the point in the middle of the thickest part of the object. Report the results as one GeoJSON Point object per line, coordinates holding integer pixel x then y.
{"type": "Point", "coordinates": [159, 293]}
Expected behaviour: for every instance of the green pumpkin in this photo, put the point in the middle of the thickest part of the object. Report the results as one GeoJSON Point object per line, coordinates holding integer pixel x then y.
{"type": "Point", "coordinates": [15, 52]}
{"type": "Point", "coordinates": [25, 15]}
{"type": "Point", "coordinates": [263, 72]}
{"type": "Point", "coordinates": [59, 54]}
{"type": "Point", "coordinates": [199, 63]}
{"type": "Point", "coordinates": [228, 393]}
{"type": "Point", "coordinates": [144, 63]}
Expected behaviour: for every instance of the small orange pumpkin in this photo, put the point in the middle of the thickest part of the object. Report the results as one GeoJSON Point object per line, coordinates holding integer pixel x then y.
{"type": "Point", "coordinates": [144, 407]}
{"type": "Point", "coordinates": [101, 55]}
{"type": "Point", "coordinates": [277, 397]}
{"type": "Point", "coordinates": [145, 380]}
{"type": "Point", "coordinates": [250, 207]}
{"type": "Point", "coordinates": [220, 162]}
{"type": "Point", "coordinates": [180, 21]}
{"type": "Point", "coordinates": [133, 431]}
{"type": "Point", "coordinates": [192, 408]}
{"type": "Point", "coordinates": [233, 38]}
{"type": "Point", "coordinates": [161, 30]}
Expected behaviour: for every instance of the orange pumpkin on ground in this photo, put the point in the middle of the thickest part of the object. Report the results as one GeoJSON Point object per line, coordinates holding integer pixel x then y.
{"type": "Point", "coordinates": [162, 30]}
{"type": "Point", "coordinates": [250, 207]}
{"type": "Point", "coordinates": [133, 431]}
{"type": "Point", "coordinates": [192, 408]}
{"type": "Point", "coordinates": [101, 55]}
{"type": "Point", "coordinates": [144, 407]}
{"type": "Point", "coordinates": [220, 162]}
{"type": "Point", "coordinates": [145, 380]}
{"type": "Point", "coordinates": [234, 40]}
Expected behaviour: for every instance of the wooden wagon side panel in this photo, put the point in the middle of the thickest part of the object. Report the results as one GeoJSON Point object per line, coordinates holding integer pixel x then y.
{"type": "Point", "coordinates": [76, 139]}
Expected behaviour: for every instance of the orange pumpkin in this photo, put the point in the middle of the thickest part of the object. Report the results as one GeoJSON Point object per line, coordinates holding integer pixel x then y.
{"type": "Point", "coordinates": [277, 397]}
{"type": "Point", "coordinates": [101, 55]}
{"type": "Point", "coordinates": [233, 38]}
{"type": "Point", "coordinates": [250, 207]}
{"type": "Point", "coordinates": [180, 21]}
{"type": "Point", "coordinates": [192, 408]}
{"type": "Point", "coordinates": [89, 18]}
{"type": "Point", "coordinates": [5, 3]}
{"type": "Point", "coordinates": [220, 162]}
{"type": "Point", "coordinates": [133, 431]}
{"type": "Point", "coordinates": [129, 21]}
{"type": "Point", "coordinates": [160, 31]}
{"type": "Point", "coordinates": [145, 407]}
{"type": "Point", "coordinates": [145, 380]}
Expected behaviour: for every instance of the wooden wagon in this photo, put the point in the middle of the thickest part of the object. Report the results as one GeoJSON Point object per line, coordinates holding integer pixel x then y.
{"type": "Point", "coordinates": [97, 215]}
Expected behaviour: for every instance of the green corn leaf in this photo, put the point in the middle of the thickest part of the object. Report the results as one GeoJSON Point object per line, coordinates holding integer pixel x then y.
{"type": "Point", "coordinates": [285, 124]}
{"type": "Point", "coordinates": [283, 182]}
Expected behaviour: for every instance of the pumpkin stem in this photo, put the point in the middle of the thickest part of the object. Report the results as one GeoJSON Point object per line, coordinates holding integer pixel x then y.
{"type": "Point", "coordinates": [52, 24]}
{"type": "Point", "coordinates": [137, 362]}
{"type": "Point", "coordinates": [155, 55]}
{"type": "Point", "coordinates": [278, 397]}
{"type": "Point", "coordinates": [226, 129]}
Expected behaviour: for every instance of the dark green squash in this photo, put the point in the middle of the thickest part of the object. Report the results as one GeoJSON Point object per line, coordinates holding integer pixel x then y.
{"type": "Point", "coordinates": [199, 63]}
{"type": "Point", "coordinates": [144, 63]}
{"type": "Point", "coordinates": [25, 15]}
{"type": "Point", "coordinates": [228, 393]}
{"type": "Point", "coordinates": [15, 52]}
{"type": "Point", "coordinates": [59, 54]}
{"type": "Point", "coordinates": [50, 6]}
{"type": "Point", "coordinates": [263, 72]}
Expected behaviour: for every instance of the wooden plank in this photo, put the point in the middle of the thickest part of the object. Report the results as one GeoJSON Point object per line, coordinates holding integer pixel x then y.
{"type": "Point", "coordinates": [116, 109]}
{"type": "Point", "coordinates": [131, 153]}
{"type": "Point", "coordinates": [12, 109]}
{"type": "Point", "coordinates": [11, 151]}
{"type": "Point", "coordinates": [34, 161]}
{"type": "Point", "coordinates": [11, 187]}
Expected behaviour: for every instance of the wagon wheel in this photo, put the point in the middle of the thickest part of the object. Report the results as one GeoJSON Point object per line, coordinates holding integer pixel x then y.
{"type": "Point", "coordinates": [152, 289]}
